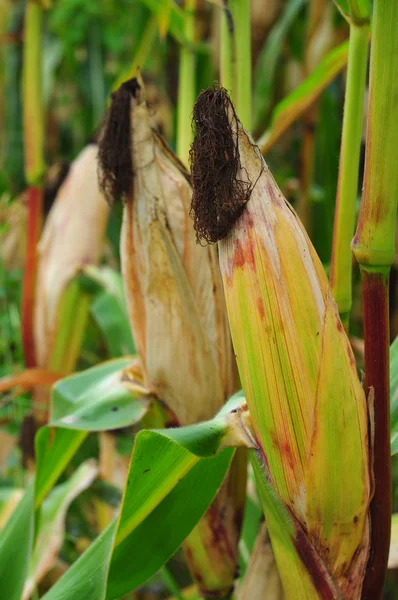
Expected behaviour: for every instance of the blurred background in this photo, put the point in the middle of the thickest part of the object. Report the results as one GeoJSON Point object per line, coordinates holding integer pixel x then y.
{"type": "Point", "coordinates": [298, 58]}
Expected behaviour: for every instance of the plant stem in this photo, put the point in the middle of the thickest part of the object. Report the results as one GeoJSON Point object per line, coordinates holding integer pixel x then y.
{"type": "Point", "coordinates": [374, 246]}
{"type": "Point", "coordinates": [344, 220]}
{"type": "Point", "coordinates": [32, 94]}
{"type": "Point", "coordinates": [243, 64]}
{"type": "Point", "coordinates": [35, 201]}
{"type": "Point", "coordinates": [376, 330]}
{"type": "Point", "coordinates": [186, 87]}
{"type": "Point", "coordinates": [171, 583]}
{"type": "Point", "coordinates": [34, 165]}
{"type": "Point", "coordinates": [227, 62]}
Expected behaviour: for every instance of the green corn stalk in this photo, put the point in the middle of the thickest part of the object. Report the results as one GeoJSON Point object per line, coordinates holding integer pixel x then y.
{"type": "Point", "coordinates": [34, 164]}
{"type": "Point", "coordinates": [374, 246]}
{"type": "Point", "coordinates": [295, 362]}
{"type": "Point", "coordinates": [344, 220]}
{"type": "Point", "coordinates": [186, 87]}
{"type": "Point", "coordinates": [227, 50]}
{"type": "Point", "coordinates": [240, 10]}
{"type": "Point", "coordinates": [11, 153]}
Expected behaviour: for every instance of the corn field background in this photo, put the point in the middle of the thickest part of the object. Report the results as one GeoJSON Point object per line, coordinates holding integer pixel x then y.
{"type": "Point", "coordinates": [132, 253]}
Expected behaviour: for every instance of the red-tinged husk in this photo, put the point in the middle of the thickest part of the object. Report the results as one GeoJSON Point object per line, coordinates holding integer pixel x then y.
{"type": "Point", "coordinates": [299, 377]}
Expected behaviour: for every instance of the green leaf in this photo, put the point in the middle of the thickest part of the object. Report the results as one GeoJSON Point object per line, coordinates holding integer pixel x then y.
{"type": "Point", "coordinates": [356, 12]}
{"type": "Point", "coordinates": [283, 532]}
{"type": "Point", "coordinates": [114, 325]}
{"type": "Point", "coordinates": [296, 103]}
{"type": "Point", "coordinates": [52, 523]}
{"type": "Point", "coordinates": [268, 60]}
{"type": "Point", "coordinates": [169, 524]}
{"type": "Point", "coordinates": [86, 578]}
{"type": "Point", "coordinates": [109, 310]}
{"type": "Point", "coordinates": [102, 398]}
{"type": "Point", "coordinates": [16, 540]}
{"type": "Point", "coordinates": [54, 450]}
{"type": "Point", "coordinates": [175, 21]}
{"type": "Point", "coordinates": [174, 474]}
{"type": "Point", "coordinates": [394, 395]}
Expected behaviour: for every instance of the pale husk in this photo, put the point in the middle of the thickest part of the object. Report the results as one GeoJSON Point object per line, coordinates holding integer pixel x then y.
{"type": "Point", "coordinates": [72, 238]}
{"type": "Point", "coordinates": [173, 287]}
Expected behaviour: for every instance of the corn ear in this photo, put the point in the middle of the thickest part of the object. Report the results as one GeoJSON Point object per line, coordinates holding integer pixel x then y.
{"type": "Point", "coordinates": [176, 308]}
{"type": "Point", "coordinates": [296, 366]}
{"type": "Point", "coordinates": [72, 238]}
{"type": "Point", "coordinates": [173, 288]}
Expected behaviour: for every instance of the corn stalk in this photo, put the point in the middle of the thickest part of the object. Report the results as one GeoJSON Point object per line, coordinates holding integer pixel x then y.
{"type": "Point", "coordinates": [374, 246]}
{"type": "Point", "coordinates": [186, 87]}
{"type": "Point", "coordinates": [34, 165]}
{"type": "Point", "coordinates": [344, 220]}
{"type": "Point", "coordinates": [243, 60]}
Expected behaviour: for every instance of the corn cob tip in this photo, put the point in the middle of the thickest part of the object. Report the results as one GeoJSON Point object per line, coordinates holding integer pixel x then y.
{"type": "Point", "coordinates": [219, 195]}
{"type": "Point", "coordinates": [115, 170]}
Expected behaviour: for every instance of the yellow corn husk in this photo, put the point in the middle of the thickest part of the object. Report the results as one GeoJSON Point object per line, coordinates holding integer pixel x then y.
{"type": "Point", "coordinates": [178, 317]}
{"type": "Point", "coordinates": [299, 377]}
{"type": "Point", "coordinates": [72, 238]}
{"type": "Point", "coordinates": [173, 287]}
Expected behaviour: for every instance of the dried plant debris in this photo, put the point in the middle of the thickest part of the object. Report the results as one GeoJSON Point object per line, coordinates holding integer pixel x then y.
{"type": "Point", "coordinates": [219, 195]}
{"type": "Point", "coordinates": [114, 155]}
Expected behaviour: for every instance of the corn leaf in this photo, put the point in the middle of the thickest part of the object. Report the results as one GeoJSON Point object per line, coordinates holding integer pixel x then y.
{"type": "Point", "coordinates": [98, 399]}
{"type": "Point", "coordinates": [296, 103]}
{"type": "Point", "coordinates": [174, 475]}
{"type": "Point", "coordinates": [268, 61]}
{"type": "Point", "coordinates": [54, 450]}
{"type": "Point", "coordinates": [174, 24]}
{"type": "Point", "coordinates": [394, 395]}
{"type": "Point", "coordinates": [172, 479]}
{"type": "Point", "coordinates": [81, 403]}
{"type": "Point", "coordinates": [16, 540]}
{"type": "Point", "coordinates": [87, 577]}
{"type": "Point", "coordinates": [114, 325]}
{"type": "Point", "coordinates": [52, 524]}
{"type": "Point", "coordinates": [283, 535]}
{"type": "Point", "coordinates": [109, 311]}
{"type": "Point", "coordinates": [355, 11]}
